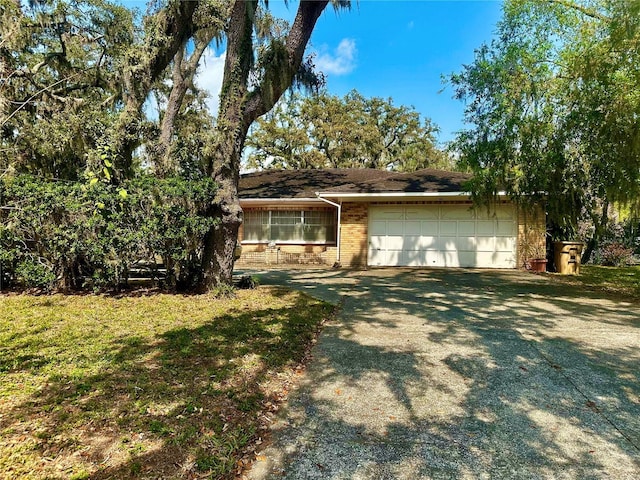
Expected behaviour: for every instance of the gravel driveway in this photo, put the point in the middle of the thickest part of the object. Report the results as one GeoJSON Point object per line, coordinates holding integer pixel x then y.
{"type": "Point", "coordinates": [459, 374]}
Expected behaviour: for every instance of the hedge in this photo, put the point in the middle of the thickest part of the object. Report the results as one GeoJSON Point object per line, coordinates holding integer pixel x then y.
{"type": "Point", "coordinates": [75, 235]}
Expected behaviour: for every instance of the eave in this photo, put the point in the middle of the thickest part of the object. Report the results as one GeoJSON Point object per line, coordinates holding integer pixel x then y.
{"type": "Point", "coordinates": [397, 196]}
{"type": "Point", "coordinates": [258, 202]}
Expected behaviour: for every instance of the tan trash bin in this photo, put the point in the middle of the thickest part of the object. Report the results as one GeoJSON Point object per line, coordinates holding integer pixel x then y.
{"type": "Point", "coordinates": [566, 256]}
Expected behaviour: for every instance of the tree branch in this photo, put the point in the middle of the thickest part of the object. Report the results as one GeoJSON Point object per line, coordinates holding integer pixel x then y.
{"type": "Point", "coordinates": [183, 73]}
{"type": "Point", "coordinates": [582, 9]}
{"type": "Point", "coordinates": [26, 102]}
{"type": "Point", "coordinates": [259, 103]}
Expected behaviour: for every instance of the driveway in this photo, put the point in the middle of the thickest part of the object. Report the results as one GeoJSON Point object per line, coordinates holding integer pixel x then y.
{"type": "Point", "coordinates": [461, 374]}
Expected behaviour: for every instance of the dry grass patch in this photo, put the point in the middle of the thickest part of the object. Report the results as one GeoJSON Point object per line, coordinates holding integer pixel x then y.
{"type": "Point", "coordinates": [159, 386]}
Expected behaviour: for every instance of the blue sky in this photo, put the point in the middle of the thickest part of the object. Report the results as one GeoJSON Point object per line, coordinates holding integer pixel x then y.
{"type": "Point", "coordinates": [401, 49]}
{"type": "Point", "coordinates": [389, 48]}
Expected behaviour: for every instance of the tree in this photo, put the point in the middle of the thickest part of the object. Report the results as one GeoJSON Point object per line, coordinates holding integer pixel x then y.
{"type": "Point", "coordinates": [555, 109]}
{"type": "Point", "coordinates": [183, 72]}
{"type": "Point", "coordinates": [249, 90]}
{"type": "Point", "coordinates": [166, 32]}
{"type": "Point", "coordinates": [60, 63]}
{"type": "Point", "coordinates": [326, 131]}
{"type": "Point", "coordinates": [78, 74]}
{"type": "Point", "coordinates": [82, 64]}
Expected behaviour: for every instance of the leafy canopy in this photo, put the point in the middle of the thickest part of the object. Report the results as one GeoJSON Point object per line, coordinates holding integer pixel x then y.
{"type": "Point", "coordinates": [326, 131]}
{"type": "Point", "coordinates": [553, 106]}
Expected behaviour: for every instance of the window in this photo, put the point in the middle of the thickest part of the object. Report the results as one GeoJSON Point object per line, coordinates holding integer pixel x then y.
{"type": "Point", "coordinates": [293, 226]}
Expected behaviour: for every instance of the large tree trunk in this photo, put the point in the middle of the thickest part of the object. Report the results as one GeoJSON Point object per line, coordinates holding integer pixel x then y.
{"type": "Point", "coordinates": [239, 108]}
{"type": "Point", "coordinates": [224, 166]}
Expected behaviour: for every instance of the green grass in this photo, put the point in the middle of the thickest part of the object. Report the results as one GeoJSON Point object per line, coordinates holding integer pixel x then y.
{"type": "Point", "coordinates": [622, 281]}
{"type": "Point", "coordinates": [159, 386]}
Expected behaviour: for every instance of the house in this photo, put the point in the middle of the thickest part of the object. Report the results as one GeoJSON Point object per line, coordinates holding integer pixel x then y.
{"type": "Point", "coordinates": [366, 217]}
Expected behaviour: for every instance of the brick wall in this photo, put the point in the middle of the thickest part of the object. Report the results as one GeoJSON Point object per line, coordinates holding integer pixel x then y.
{"type": "Point", "coordinates": [354, 234]}
{"type": "Point", "coordinates": [532, 234]}
{"type": "Point", "coordinates": [261, 254]}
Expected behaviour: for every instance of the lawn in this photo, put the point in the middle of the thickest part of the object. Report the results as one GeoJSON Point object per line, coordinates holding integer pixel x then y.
{"type": "Point", "coordinates": [149, 386]}
{"type": "Point", "coordinates": [623, 281]}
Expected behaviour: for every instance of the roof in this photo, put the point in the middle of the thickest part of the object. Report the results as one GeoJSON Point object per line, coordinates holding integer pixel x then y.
{"type": "Point", "coordinates": [279, 184]}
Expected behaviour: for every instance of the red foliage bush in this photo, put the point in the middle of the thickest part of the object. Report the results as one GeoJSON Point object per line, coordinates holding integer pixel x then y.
{"type": "Point", "coordinates": [615, 254]}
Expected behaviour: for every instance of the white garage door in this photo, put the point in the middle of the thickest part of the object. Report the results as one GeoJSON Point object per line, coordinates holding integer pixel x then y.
{"type": "Point", "coordinates": [442, 236]}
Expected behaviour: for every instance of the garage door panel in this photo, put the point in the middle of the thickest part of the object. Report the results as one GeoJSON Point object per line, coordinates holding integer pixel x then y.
{"type": "Point", "coordinates": [378, 242]}
{"type": "Point", "coordinates": [485, 227]}
{"type": "Point", "coordinates": [447, 244]}
{"type": "Point", "coordinates": [505, 228]}
{"type": "Point", "coordinates": [378, 227]}
{"type": "Point", "coordinates": [486, 244]}
{"type": "Point", "coordinates": [466, 244]}
{"type": "Point", "coordinates": [387, 213]}
{"type": "Point", "coordinates": [416, 213]}
{"type": "Point", "coordinates": [393, 257]}
{"type": "Point", "coordinates": [442, 235]}
{"type": "Point", "coordinates": [386, 257]}
{"type": "Point", "coordinates": [505, 244]}
{"type": "Point", "coordinates": [448, 228]}
{"type": "Point", "coordinates": [395, 242]}
{"type": "Point", "coordinates": [414, 242]}
{"type": "Point", "coordinates": [415, 258]}
{"type": "Point", "coordinates": [466, 228]}
{"type": "Point", "coordinates": [505, 212]}
{"type": "Point", "coordinates": [450, 259]}
{"type": "Point", "coordinates": [412, 227]}
{"type": "Point", "coordinates": [484, 258]}
{"type": "Point", "coordinates": [456, 213]}
{"type": "Point", "coordinates": [430, 228]}
{"type": "Point", "coordinates": [376, 256]}
{"type": "Point", "coordinates": [467, 259]}
{"type": "Point", "coordinates": [428, 243]}
{"type": "Point", "coordinates": [503, 259]}
{"type": "Point", "coordinates": [508, 259]}
{"type": "Point", "coordinates": [435, 259]}
{"type": "Point", "coordinates": [395, 228]}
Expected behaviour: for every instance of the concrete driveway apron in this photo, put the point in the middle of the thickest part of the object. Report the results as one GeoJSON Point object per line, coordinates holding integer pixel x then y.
{"type": "Point", "coordinates": [461, 374]}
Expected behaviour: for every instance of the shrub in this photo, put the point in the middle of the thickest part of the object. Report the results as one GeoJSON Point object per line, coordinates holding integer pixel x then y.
{"type": "Point", "coordinates": [34, 274]}
{"type": "Point", "coordinates": [75, 235]}
{"type": "Point", "coordinates": [615, 254]}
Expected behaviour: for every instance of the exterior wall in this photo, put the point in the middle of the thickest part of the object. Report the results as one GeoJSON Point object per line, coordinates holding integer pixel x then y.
{"type": "Point", "coordinates": [532, 235]}
{"type": "Point", "coordinates": [261, 254]}
{"type": "Point", "coordinates": [354, 234]}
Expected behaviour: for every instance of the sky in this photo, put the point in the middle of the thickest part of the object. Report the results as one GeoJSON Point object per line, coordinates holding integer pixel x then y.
{"type": "Point", "coordinates": [389, 48]}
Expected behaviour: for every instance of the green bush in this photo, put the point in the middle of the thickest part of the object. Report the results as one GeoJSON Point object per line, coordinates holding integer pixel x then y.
{"type": "Point", "coordinates": [34, 274]}
{"type": "Point", "coordinates": [72, 235]}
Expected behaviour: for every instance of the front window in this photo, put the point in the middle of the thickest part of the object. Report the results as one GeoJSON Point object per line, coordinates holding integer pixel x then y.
{"type": "Point", "coordinates": [290, 226]}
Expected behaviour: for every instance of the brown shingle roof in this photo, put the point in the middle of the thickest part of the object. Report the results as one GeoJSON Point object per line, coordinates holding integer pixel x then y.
{"type": "Point", "coordinates": [305, 183]}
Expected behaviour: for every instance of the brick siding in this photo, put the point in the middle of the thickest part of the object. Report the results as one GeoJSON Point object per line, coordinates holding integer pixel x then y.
{"type": "Point", "coordinates": [354, 234]}
{"type": "Point", "coordinates": [532, 233]}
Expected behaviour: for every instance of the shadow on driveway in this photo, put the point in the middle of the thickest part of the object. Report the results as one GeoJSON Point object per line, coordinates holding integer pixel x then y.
{"type": "Point", "coordinates": [462, 374]}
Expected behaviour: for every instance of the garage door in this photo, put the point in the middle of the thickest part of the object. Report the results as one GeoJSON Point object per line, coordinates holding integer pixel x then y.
{"type": "Point", "coordinates": [442, 236]}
